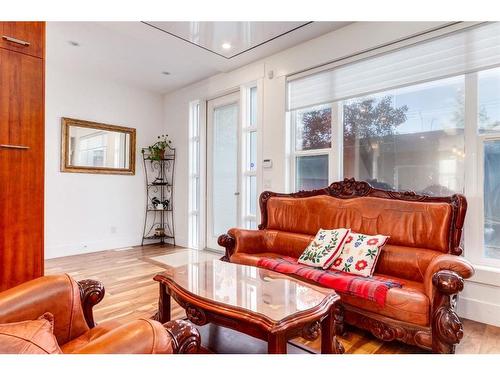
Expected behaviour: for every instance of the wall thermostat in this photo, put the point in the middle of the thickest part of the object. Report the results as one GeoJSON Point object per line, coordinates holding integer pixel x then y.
{"type": "Point", "coordinates": [267, 163]}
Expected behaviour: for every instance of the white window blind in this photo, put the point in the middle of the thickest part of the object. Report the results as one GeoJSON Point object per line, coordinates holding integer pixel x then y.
{"type": "Point", "coordinates": [465, 51]}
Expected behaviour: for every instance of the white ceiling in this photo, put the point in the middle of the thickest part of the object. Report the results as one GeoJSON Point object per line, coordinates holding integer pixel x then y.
{"type": "Point", "coordinates": [136, 53]}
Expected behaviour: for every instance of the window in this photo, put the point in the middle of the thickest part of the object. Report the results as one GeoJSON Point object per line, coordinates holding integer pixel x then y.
{"type": "Point", "coordinates": [194, 175]}
{"type": "Point", "coordinates": [492, 199]}
{"type": "Point", "coordinates": [312, 172]}
{"type": "Point", "coordinates": [312, 129]}
{"type": "Point", "coordinates": [410, 119]}
{"type": "Point", "coordinates": [488, 120]}
{"type": "Point", "coordinates": [408, 139]}
{"type": "Point", "coordinates": [249, 136]}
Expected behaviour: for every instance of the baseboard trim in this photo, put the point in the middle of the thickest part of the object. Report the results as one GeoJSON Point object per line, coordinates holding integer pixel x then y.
{"type": "Point", "coordinates": [480, 311]}
{"type": "Point", "coordinates": [90, 247]}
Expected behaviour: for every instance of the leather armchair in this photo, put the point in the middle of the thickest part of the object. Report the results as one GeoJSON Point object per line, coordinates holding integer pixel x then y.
{"type": "Point", "coordinates": [71, 304]}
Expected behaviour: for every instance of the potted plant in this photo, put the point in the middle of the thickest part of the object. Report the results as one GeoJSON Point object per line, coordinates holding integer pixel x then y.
{"type": "Point", "coordinates": [157, 150]}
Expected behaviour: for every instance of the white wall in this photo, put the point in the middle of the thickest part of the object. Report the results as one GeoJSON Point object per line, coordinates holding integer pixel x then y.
{"type": "Point", "coordinates": [91, 212]}
{"type": "Point", "coordinates": [481, 298]}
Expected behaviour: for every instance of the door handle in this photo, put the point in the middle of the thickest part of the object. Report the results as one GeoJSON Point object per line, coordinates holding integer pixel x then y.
{"type": "Point", "coordinates": [237, 193]}
{"type": "Point", "coordinates": [15, 40]}
{"type": "Point", "coordinates": [15, 147]}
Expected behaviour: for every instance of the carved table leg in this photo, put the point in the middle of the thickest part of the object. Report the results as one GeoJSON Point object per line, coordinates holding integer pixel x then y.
{"type": "Point", "coordinates": [163, 305]}
{"type": "Point", "coordinates": [329, 342]}
{"type": "Point", "coordinates": [276, 343]}
{"type": "Point", "coordinates": [338, 314]}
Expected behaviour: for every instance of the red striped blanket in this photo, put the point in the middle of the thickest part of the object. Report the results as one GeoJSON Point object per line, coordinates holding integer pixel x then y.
{"type": "Point", "coordinates": [373, 288]}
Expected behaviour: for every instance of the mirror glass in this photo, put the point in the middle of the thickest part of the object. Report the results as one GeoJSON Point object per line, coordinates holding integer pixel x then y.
{"type": "Point", "coordinates": [97, 148]}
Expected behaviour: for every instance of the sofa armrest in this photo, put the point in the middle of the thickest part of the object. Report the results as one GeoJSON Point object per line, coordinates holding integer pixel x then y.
{"type": "Point", "coordinates": [444, 279]}
{"type": "Point", "coordinates": [145, 336]}
{"type": "Point", "coordinates": [459, 265]}
{"type": "Point", "coordinates": [242, 240]}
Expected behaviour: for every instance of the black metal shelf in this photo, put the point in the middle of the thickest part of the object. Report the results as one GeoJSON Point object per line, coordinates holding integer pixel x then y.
{"type": "Point", "coordinates": [158, 237]}
{"type": "Point", "coordinates": [159, 185]}
{"type": "Point", "coordinates": [159, 220]}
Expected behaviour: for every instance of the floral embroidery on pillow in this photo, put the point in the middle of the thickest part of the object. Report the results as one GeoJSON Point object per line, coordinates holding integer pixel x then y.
{"type": "Point", "coordinates": [360, 254]}
{"type": "Point", "coordinates": [324, 248]}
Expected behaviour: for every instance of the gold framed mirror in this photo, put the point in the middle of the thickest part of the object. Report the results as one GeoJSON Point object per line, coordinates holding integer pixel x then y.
{"type": "Point", "coordinates": [92, 147]}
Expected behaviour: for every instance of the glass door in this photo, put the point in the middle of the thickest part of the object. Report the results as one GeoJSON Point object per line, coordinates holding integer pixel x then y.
{"type": "Point", "coordinates": [223, 150]}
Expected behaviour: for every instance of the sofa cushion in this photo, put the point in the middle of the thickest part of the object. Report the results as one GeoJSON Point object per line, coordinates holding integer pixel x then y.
{"type": "Point", "coordinates": [408, 303]}
{"type": "Point", "coordinates": [408, 223]}
{"type": "Point", "coordinates": [360, 254]}
{"type": "Point", "coordinates": [324, 248]}
{"type": "Point", "coordinates": [29, 336]}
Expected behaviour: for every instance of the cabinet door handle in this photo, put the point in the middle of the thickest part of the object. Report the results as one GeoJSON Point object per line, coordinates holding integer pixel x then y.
{"type": "Point", "coordinates": [14, 40]}
{"type": "Point", "coordinates": [16, 147]}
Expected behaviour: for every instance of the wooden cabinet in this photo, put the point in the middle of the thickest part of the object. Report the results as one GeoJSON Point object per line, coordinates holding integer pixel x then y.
{"type": "Point", "coordinates": [24, 37]}
{"type": "Point", "coordinates": [21, 155]}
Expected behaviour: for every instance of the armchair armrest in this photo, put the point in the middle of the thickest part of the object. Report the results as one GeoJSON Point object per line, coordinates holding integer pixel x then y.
{"type": "Point", "coordinates": [58, 294]}
{"type": "Point", "coordinates": [146, 336]}
{"type": "Point", "coordinates": [242, 240]}
{"type": "Point", "coordinates": [91, 293]}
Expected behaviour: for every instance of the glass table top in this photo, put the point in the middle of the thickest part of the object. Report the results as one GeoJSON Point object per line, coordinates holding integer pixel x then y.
{"type": "Point", "coordinates": [255, 289]}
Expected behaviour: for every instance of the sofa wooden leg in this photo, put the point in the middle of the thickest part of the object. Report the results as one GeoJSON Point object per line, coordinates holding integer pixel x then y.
{"type": "Point", "coordinates": [447, 329]}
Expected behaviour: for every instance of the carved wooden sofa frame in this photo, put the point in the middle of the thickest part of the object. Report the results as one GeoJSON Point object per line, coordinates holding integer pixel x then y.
{"type": "Point", "coordinates": [186, 339]}
{"type": "Point", "coordinates": [446, 329]}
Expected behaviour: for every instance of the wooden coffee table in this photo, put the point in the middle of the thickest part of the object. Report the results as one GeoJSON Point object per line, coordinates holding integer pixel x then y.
{"type": "Point", "coordinates": [264, 304]}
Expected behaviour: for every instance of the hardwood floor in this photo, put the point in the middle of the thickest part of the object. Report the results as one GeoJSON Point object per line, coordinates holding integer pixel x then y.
{"type": "Point", "coordinates": [131, 293]}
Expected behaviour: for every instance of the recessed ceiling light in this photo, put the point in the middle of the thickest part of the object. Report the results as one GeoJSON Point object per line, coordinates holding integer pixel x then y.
{"type": "Point", "coordinates": [226, 45]}
{"type": "Point", "coordinates": [73, 43]}
{"type": "Point", "coordinates": [165, 73]}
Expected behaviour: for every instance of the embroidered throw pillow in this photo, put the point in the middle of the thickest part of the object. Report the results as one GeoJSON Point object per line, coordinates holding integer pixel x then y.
{"type": "Point", "coordinates": [324, 248]}
{"type": "Point", "coordinates": [360, 254]}
{"type": "Point", "coordinates": [29, 337]}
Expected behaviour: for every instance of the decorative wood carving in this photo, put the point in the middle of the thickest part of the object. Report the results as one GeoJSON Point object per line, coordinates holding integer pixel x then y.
{"type": "Point", "coordinates": [352, 189]}
{"type": "Point", "coordinates": [387, 330]}
{"type": "Point", "coordinates": [185, 336]}
{"type": "Point", "coordinates": [447, 329]}
{"type": "Point", "coordinates": [338, 317]}
{"type": "Point", "coordinates": [196, 315]}
{"type": "Point", "coordinates": [91, 293]}
{"type": "Point", "coordinates": [228, 242]}
{"type": "Point", "coordinates": [311, 331]}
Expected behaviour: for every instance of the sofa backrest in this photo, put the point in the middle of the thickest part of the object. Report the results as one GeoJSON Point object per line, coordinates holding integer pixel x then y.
{"type": "Point", "coordinates": [411, 220]}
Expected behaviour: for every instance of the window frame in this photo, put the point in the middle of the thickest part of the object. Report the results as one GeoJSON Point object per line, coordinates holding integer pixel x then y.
{"type": "Point", "coordinates": [334, 162]}
{"type": "Point", "coordinates": [194, 174]}
{"type": "Point", "coordinates": [246, 173]}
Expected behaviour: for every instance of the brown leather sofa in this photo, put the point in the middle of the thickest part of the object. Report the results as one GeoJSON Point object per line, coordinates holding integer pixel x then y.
{"type": "Point", "coordinates": [422, 254]}
{"type": "Point", "coordinates": [71, 304]}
